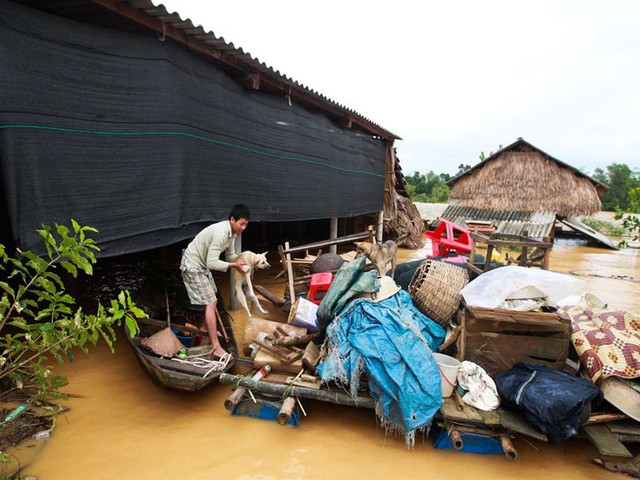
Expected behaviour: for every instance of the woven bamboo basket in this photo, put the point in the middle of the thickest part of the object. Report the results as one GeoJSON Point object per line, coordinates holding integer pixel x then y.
{"type": "Point", "coordinates": [435, 289]}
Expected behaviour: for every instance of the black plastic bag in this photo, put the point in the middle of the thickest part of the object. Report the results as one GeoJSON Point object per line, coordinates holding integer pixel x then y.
{"type": "Point", "coordinates": [557, 403]}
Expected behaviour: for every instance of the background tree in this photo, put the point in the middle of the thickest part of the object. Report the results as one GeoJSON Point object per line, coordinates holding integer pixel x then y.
{"type": "Point", "coordinates": [621, 181]}
{"type": "Point", "coordinates": [429, 188]}
{"type": "Point", "coordinates": [483, 157]}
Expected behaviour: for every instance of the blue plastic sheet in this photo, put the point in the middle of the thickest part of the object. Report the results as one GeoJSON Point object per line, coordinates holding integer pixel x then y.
{"type": "Point", "coordinates": [392, 341]}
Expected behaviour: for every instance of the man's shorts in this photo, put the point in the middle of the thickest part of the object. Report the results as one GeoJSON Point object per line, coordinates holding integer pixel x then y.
{"type": "Point", "coordinates": [199, 283]}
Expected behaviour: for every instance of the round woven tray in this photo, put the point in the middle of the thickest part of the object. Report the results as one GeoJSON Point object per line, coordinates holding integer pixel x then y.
{"type": "Point", "coordinates": [435, 289]}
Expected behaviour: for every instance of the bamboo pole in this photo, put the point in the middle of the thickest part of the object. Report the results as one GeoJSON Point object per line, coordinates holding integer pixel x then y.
{"type": "Point", "coordinates": [300, 392]}
{"type": "Point", "coordinates": [508, 448]}
{"type": "Point", "coordinates": [456, 438]}
{"type": "Point", "coordinates": [284, 415]}
{"type": "Point", "coordinates": [233, 399]}
{"type": "Point", "coordinates": [222, 327]}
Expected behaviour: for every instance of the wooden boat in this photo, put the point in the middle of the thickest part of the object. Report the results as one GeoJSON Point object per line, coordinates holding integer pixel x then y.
{"type": "Point", "coordinates": [177, 375]}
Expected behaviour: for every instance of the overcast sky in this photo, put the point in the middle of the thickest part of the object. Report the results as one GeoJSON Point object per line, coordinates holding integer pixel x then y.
{"type": "Point", "coordinates": [454, 78]}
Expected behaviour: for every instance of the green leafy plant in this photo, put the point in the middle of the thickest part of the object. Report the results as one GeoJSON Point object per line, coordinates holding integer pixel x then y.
{"type": "Point", "coordinates": [602, 226]}
{"type": "Point", "coordinates": [630, 218]}
{"type": "Point", "coordinates": [38, 321]}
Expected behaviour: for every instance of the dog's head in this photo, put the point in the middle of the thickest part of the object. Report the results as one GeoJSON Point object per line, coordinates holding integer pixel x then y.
{"type": "Point", "coordinates": [363, 249]}
{"type": "Point", "coordinates": [260, 261]}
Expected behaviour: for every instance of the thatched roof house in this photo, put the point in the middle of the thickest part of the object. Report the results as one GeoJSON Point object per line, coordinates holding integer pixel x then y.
{"type": "Point", "coordinates": [523, 189]}
{"type": "Point", "coordinates": [521, 177]}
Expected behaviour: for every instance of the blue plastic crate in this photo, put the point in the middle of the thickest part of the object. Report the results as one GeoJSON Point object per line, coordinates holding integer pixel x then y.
{"type": "Point", "coordinates": [471, 442]}
{"type": "Point", "coordinates": [264, 409]}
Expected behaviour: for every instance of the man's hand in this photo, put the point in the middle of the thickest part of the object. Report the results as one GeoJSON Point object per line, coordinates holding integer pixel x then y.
{"type": "Point", "coordinates": [241, 267]}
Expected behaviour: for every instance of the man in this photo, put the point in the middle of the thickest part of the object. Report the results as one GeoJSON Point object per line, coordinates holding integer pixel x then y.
{"type": "Point", "coordinates": [203, 255]}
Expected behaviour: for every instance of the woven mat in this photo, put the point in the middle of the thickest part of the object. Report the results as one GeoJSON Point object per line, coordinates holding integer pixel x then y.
{"type": "Point", "coordinates": [608, 341]}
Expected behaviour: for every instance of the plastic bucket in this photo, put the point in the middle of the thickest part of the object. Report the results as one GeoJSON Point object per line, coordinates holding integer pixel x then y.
{"type": "Point", "coordinates": [448, 367]}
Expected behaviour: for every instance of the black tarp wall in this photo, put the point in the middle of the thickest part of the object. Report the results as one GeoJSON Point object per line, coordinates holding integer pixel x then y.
{"type": "Point", "coordinates": [148, 142]}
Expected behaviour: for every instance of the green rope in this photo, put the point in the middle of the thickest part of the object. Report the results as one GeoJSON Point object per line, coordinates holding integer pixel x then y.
{"type": "Point", "coordinates": [196, 137]}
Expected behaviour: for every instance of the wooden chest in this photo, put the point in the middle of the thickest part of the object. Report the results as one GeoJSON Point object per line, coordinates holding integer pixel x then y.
{"type": "Point", "coordinates": [497, 339]}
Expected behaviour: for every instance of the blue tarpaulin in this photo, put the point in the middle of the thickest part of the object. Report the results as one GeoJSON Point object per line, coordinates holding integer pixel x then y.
{"type": "Point", "coordinates": [392, 341]}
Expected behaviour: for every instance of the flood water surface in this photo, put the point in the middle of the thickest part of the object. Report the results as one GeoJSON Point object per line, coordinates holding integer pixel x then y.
{"type": "Point", "coordinates": [120, 425]}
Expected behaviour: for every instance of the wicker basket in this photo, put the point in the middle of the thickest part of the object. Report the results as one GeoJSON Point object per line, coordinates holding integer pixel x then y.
{"type": "Point", "coordinates": [435, 289]}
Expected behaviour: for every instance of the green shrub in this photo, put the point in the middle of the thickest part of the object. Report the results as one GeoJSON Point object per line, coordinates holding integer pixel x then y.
{"type": "Point", "coordinates": [38, 321]}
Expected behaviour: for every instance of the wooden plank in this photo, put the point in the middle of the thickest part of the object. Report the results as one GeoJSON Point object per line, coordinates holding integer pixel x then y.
{"type": "Point", "coordinates": [263, 358]}
{"type": "Point", "coordinates": [468, 415]}
{"type": "Point", "coordinates": [269, 296]}
{"type": "Point", "coordinates": [605, 441]}
{"type": "Point", "coordinates": [327, 243]}
{"type": "Point", "coordinates": [516, 423]}
{"type": "Point", "coordinates": [627, 427]}
{"type": "Point", "coordinates": [622, 394]}
{"type": "Point", "coordinates": [511, 316]}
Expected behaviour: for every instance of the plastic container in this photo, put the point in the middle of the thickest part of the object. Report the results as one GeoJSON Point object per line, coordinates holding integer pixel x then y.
{"type": "Point", "coordinates": [448, 367]}
{"type": "Point", "coordinates": [186, 340]}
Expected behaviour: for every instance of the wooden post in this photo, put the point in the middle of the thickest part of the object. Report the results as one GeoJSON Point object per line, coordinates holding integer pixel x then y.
{"type": "Point", "coordinates": [546, 257]}
{"type": "Point", "coordinates": [333, 233]}
{"type": "Point", "coordinates": [284, 415]}
{"type": "Point", "coordinates": [292, 292]}
{"type": "Point", "coordinates": [233, 299]}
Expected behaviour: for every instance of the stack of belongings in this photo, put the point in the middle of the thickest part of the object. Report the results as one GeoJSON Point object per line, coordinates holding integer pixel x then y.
{"type": "Point", "coordinates": [374, 331]}
{"type": "Point", "coordinates": [607, 341]}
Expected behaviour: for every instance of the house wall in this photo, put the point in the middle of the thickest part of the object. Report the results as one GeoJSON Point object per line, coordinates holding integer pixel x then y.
{"type": "Point", "coordinates": [148, 142]}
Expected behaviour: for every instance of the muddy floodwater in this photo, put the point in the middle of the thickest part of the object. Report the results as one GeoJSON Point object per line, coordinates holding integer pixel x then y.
{"type": "Point", "coordinates": [120, 425]}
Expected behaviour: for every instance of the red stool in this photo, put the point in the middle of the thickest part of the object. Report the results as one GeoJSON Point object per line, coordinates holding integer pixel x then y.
{"type": "Point", "coordinates": [320, 282]}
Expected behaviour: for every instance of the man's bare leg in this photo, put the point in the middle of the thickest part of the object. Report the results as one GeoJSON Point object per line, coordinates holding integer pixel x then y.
{"type": "Point", "coordinates": [212, 328]}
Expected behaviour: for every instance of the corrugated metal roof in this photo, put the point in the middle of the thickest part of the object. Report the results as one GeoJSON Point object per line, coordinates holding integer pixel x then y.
{"type": "Point", "coordinates": [143, 16]}
{"type": "Point", "coordinates": [535, 224]}
{"type": "Point", "coordinates": [577, 225]}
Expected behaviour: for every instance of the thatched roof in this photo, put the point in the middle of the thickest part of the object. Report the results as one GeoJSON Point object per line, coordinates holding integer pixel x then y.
{"type": "Point", "coordinates": [401, 217]}
{"type": "Point", "coordinates": [521, 177]}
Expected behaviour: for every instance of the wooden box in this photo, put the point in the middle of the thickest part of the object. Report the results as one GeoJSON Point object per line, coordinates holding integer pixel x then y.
{"type": "Point", "coordinates": [497, 339]}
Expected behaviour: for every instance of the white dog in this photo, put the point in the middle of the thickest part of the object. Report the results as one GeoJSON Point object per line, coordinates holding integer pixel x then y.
{"type": "Point", "coordinates": [242, 281]}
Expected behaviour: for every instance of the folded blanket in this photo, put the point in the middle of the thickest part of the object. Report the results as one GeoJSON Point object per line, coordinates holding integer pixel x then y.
{"type": "Point", "coordinates": [608, 341]}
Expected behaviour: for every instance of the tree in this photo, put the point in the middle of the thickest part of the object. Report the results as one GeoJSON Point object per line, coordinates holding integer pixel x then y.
{"type": "Point", "coordinates": [483, 157]}
{"type": "Point", "coordinates": [429, 188]}
{"type": "Point", "coordinates": [462, 168]}
{"type": "Point", "coordinates": [630, 219]}
{"type": "Point", "coordinates": [621, 180]}
{"type": "Point", "coordinates": [37, 320]}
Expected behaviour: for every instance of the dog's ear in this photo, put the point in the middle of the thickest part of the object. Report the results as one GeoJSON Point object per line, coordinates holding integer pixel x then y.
{"type": "Point", "coordinates": [265, 253]}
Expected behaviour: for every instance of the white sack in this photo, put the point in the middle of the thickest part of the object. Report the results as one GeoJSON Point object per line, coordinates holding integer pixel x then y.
{"type": "Point", "coordinates": [492, 288]}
